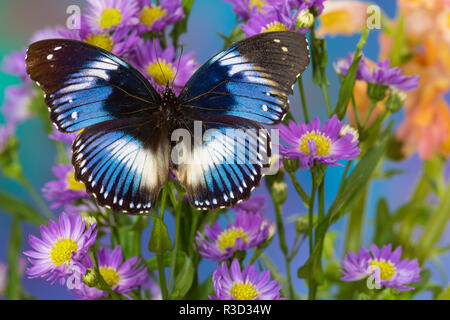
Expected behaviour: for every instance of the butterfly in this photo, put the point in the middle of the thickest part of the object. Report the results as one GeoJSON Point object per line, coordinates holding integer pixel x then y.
{"type": "Point", "coordinates": [123, 152]}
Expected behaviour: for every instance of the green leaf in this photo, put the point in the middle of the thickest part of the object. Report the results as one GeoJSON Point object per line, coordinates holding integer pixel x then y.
{"type": "Point", "coordinates": [445, 295]}
{"type": "Point", "coordinates": [20, 209]}
{"type": "Point", "coordinates": [319, 60]}
{"type": "Point", "coordinates": [359, 177]}
{"type": "Point", "coordinates": [181, 26]}
{"type": "Point", "coordinates": [345, 93]}
{"type": "Point", "coordinates": [152, 264]}
{"type": "Point", "coordinates": [159, 238]}
{"type": "Point", "coordinates": [383, 224]}
{"type": "Point", "coordinates": [9, 160]}
{"type": "Point", "coordinates": [184, 279]}
{"type": "Point", "coordinates": [434, 228]}
{"type": "Point", "coordinates": [15, 240]}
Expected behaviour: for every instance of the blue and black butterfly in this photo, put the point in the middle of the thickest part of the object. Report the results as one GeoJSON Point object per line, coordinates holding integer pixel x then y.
{"type": "Point", "coordinates": [124, 152]}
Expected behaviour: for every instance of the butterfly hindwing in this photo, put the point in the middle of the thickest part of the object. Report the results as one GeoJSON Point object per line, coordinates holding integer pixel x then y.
{"type": "Point", "coordinates": [252, 79]}
{"type": "Point", "coordinates": [223, 168]}
{"type": "Point", "coordinates": [124, 163]}
{"type": "Point", "coordinates": [85, 85]}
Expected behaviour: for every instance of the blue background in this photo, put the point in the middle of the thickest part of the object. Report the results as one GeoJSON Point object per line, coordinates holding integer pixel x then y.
{"type": "Point", "coordinates": [20, 18]}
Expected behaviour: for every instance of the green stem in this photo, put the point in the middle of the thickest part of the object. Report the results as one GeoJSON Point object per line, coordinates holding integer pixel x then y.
{"type": "Point", "coordinates": [284, 248]}
{"type": "Point", "coordinates": [160, 256]}
{"type": "Point", "coordinates": [311, 282]}
{"type": "Point", "coordinates": [193, 230]}
{"type": "Point", "coordinates": [162, 275]}
{"type": "Point", "coordinates": [355, 223]}
{"type": "Point", "coordinates": [356, 113]}
{"type": "Point", "coordinates": [326, 98]}
{"type": "Point", "coordinates": [299, 189]}
{"type": "Point", "coordinates": [321, 201]}
{"type": "Point", "coordinates": [37, 198]}
{"type": "Point", "coordinates": [369, 113]}
{"type": "Point", "coordinates": [302, 96]}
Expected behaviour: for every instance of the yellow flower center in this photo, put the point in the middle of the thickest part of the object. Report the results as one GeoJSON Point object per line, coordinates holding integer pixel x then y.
{"type": "Point", "coordinates": [103, 41]}
{"type": "Point", "coordinates": [258, 3]}
{"type": "Point", "coordinates": [62, 251]}
{"type": "Point", "coordinates": [110, 275]}
{"type": "Point", "coordinates": [244, 291]}
{"type": "Point", "coordinates": [150, 14]}
{"type": "Point", "coordinates": [275, 26]}
{"type": "Point", "coordinates": [110, 18]}
{"type": "Point", "coordinates": [73, 184]}
{"type": "Point", "coordinates": [228, 237]}
{"type": "Point", "coordinates": [161, 72]}
{"type": "Point", "coordinates": [323, 143]}
{"type": "Point", "coordinates": [387, 268]}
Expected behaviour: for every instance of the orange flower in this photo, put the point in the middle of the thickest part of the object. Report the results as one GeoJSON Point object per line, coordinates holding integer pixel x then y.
{"type": "Point", "coordinates": [342, 18]}
{"type": "Point", "coordinates": [426, 127]}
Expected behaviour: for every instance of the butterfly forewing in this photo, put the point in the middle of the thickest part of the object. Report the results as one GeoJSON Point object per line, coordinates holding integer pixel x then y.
{"type": "Point", "coordinates": [85, 85]}
{"type": "Point", "coordinates": [252, 79]}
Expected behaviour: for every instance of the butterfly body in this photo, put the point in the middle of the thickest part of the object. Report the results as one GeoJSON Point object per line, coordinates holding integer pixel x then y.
{"type": "Point", "coordinates": [124, 153]}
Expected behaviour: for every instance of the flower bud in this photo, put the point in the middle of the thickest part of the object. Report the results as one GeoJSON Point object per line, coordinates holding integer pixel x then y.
{"type": "Point", "coordinates": [88, 219]}
{"type": "Point", "coordinates": [305, 19]}
{"type": "Point", "coordinates": [279, 192]}
{"type": "Point", "coordinates": [302, 224]}
{"type": "Point", "coordinates": [396, 100]}
{"type": "Point", "coordinates": [347, 129]}
{"type": "Point", "coordinates": [90, 278]}
{"type": "Point", "coordinates": [376, 92]}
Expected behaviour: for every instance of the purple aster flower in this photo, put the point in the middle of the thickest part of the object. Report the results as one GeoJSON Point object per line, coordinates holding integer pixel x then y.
{"type": "Point", "coordinates": [156, 18]}
{"type": "Point", "coordinates": [249, 230]}
{"type": "Point", "coordinates": [247, 8]}
{"type": "Point", "coordinates": [161, 66]}
{"type": "Point", "coordinates": [120, 42]}
{"type": "Point", "coordinates": [279, 16]}
{"type": "Point", "coordinates": [235, 284]}
{"type": "Point", "coordinates": [255, 204]}
{"type": "Point", "coordinates": [121, 276]}
{"type": "Point", "coordinates": [48, 33]}
{"type": "Point", "coordinates": [310, 143]}
{"type": "Point", "coordinates": [16, 105]}
{"type": "Point", "coordinates": [379, 73]}
{"type": "Point", "coordinates": [308, 4]}
{"type": "Point", "coordinates": [107, 15]}
{"type": "Point", "coordinates": [15, 64]}
{"type": "Point", "coordinates": [384, 265]}
{"type": "Point", "coordinates": [63, 137]}
{"type": "Point", "coordinates": [61, 248]}
{"type": "Point", "coordinates": [65, 189]}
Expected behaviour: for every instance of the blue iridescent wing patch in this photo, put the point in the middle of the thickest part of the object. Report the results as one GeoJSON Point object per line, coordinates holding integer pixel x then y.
{"type": "Point", "coordinates": [252, 79]}
{"type": "Point", "coordinates": [124, 163]}
{"type": "Point", "coordinates": [85, 85]}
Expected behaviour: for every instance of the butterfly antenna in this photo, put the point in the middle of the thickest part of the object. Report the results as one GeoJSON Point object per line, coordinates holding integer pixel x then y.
{"type": "Point", "coordinates": [159, 63]}
{"type": "Point", "coordinates": [178, 66]}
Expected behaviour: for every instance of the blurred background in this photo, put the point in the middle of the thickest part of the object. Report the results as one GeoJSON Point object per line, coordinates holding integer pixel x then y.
{"type": "Point", "coordinates": [19, 19]}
